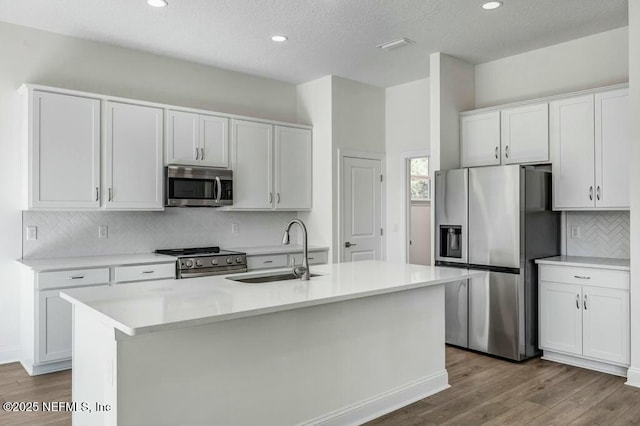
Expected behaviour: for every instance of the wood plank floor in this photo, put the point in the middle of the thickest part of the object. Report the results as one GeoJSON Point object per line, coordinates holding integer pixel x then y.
{"type": "Point", "coordinates": [488, 391]}
{"type": "Point", "coordinates": [484, 391]}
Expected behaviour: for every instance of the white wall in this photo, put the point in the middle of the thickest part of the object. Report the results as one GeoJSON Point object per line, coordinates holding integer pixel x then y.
{"type": "Point", "coordinates": [314, 107]}
{"type": "Point", "coordinates": [40, 57]}
{"type": "Point", "coordinates": [406, 131]}
{"type": "Point", "coordinates": [358, 125]}
{"type": "Point", "coordinates": [452, 91]}
{"type": "Point", "coordinates": [634, 81]}
{"type": "Point", "coordinates": [596, 60]}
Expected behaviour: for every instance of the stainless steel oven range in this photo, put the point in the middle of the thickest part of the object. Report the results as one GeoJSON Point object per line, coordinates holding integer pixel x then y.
{"type": "Point", "coordinates": [205, 261]}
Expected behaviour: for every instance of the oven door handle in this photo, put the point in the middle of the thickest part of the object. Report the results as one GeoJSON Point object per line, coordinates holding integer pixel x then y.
{"type": "Point", "coordinates": [219, 185]}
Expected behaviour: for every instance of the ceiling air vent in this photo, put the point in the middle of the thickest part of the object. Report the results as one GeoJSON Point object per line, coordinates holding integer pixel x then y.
{"type": "Point", "coordinates": [394, 44]}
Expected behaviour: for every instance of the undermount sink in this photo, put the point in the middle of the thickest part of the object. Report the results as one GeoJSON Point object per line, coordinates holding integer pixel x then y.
{"type": "Point", "coordinates": [268, 278]}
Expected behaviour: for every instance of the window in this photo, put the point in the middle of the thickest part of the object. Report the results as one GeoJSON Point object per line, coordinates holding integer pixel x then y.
{"type": "Point", "coordinates": [420, 180]}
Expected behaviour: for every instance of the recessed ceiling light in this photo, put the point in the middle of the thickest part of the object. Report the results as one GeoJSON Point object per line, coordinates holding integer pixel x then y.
{"type": "Point", "coordinates": [490, 5]}
{"type": "Point", "coordinates": [279, 38]}
{"type": "Point", "coordinates": [157, 3]}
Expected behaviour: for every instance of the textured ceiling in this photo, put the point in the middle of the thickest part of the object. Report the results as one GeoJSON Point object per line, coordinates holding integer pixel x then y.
{"type": "Point", "coordinates": [325, 36]}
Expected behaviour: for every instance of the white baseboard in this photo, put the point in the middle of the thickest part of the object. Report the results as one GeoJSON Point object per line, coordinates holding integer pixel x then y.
{"type": "Point", "coordinates": [8, 355]}
{"type": "Point", "coordinates": [372, 408]}
{"type": "Point", "coordinates": [590, 364]}
{"type": "Point", "coordinates": [52, 367]}
{"type": "Point", "coordinates": [633, 377]}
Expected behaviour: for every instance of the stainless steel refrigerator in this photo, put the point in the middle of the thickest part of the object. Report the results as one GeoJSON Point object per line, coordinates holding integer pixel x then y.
{"type": "Point", "coordinates": [498, 220]}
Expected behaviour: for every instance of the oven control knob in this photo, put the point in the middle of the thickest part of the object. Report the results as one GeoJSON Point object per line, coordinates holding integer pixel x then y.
{"type": "Point", "coordinates": [198, 262]}
{"type": "Point", "coordinates": [214, 261]}
{"type": "Point", "coordinates": [189, 263]}
{"type": "Point", "coordinates": [229, 260]}
{"type": "Point", "coordinates": [238, 259]}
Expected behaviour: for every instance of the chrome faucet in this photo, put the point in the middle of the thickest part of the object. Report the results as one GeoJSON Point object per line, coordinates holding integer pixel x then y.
{"type": "Point", "coordinates": [299, 271]}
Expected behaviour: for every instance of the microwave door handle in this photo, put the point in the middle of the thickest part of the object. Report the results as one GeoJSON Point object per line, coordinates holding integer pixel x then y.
{"type": "Point", "coordinates": [219, 186]}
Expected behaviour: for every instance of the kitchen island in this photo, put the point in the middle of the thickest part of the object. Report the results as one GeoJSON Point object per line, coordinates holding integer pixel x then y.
{"type": "Point", "coordinates": [357, 341]}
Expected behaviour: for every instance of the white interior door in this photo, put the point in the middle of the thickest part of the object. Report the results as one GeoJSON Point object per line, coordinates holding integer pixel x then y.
{"type": "Point", "coordinates": [361, 209]}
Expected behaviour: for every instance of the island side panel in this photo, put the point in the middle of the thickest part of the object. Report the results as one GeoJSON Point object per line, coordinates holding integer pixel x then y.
{"type": "Point", "coordinates": [337, 363]}
{"type": "Point", "coordinates": [93, 369]}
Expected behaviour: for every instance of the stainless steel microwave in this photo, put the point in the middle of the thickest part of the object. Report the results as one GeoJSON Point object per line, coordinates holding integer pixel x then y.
{"type": "Point", "coordinates": [187, 186]}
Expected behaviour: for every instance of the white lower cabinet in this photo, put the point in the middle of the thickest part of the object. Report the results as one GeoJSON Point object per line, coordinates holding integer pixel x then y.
{"type": "Point", "coordinates": [585, 324]}
{"type": "Point", "coordinates": [54, 327]}
{"type": "Point", "coordinates": [316, 256]}
{"type": "Point", "coordinates": [46, 318]}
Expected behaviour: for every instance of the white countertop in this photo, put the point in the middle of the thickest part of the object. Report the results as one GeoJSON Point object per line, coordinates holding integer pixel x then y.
{"type": "Point", "coordinates": [291, 248]}
{"type": "Point", "coordinates": [60, 264]}
{"type": "Point", "coordinates": [587, 262]}
{"type": "Point", "coordinates": [166, 304]}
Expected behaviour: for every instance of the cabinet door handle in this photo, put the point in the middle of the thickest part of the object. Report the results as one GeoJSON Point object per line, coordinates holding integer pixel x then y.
{"type": "Point", "coordinates": [506, 151]}
{"type": "Point", "coordinates": [582, 277]}
{"type": "Point", "coordinates": [577, 301]}
{"type": "Point", "coordinates": [197, 154]}
{"type": "Point", "coordinates": [76, 277]}
{"type": "Point", "coordinates": [268, 261]}
{"type": "Point", "coordinates": [598, 193]}
{"type": "Point", "coordinates": [147, 272]}
{"type": "Point", "coordinates": [270, 198]}
{"type": "Point", "coordinates": [110, 195]}
{"type": "Point", "coordinates": [585, 302]}
{"type": "Point", "coordinates": [496, 152]}
{"type": "Point", "coordinates": [278, 198]}
{"type": "Point", "coordinates": [97, 193]}
{"type": "Point", "coordinates": [202, 153]}
{"type": "Point", "coordinates": [591, 192]}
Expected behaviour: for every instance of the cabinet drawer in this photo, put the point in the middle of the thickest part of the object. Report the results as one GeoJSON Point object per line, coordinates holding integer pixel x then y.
{"type": "Point", "coordinates": [315, 258]}
{"type": "Point", "coordinates": [267, 261]}
{"type": "Point", "coordinates": [585, 276]}
{"type": "Point", "coordinates": [155, 271]}
{"type": "Point", "coordinates": [73, 278]}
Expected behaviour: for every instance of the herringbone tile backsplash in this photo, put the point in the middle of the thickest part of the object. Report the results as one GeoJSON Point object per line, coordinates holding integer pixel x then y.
{"type": "Point", "coordinates": [68, 234]}
{"type": "Point", "coordinates": [602, 234]}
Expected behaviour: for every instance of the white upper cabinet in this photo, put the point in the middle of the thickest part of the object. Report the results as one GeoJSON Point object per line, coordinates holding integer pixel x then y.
{"type": "Point", "coordinates": [292, 168]}
{"type": "Point", "coordinates": [268, 175]}
{"type": "Point", "coordinates": [214, 141]}
{"type": "Point", "coordinates": [197, 139]}
{"type": "Point", "coordinates": [525, 134]}
{"type": "Point", "coordinates": [133, 160]}
{"type": "Point", "coordinates": [612, 149]}
{"type": "Point", "coordinates": [572, 152]}
{"type": "Point", "coordinates": [63, 149]}
{"type": "Point", "coordinates": [480, 139]}
{"type": "Point", "coordinates": [252, 148]}
{"type": "Point", "coordinates": [182, 138]}
{"type": "Point", "coordinates": [590, 151]}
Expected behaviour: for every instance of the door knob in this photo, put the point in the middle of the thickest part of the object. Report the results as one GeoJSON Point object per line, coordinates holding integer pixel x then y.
{"type": "Point", "coordinates": [348, 244]}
